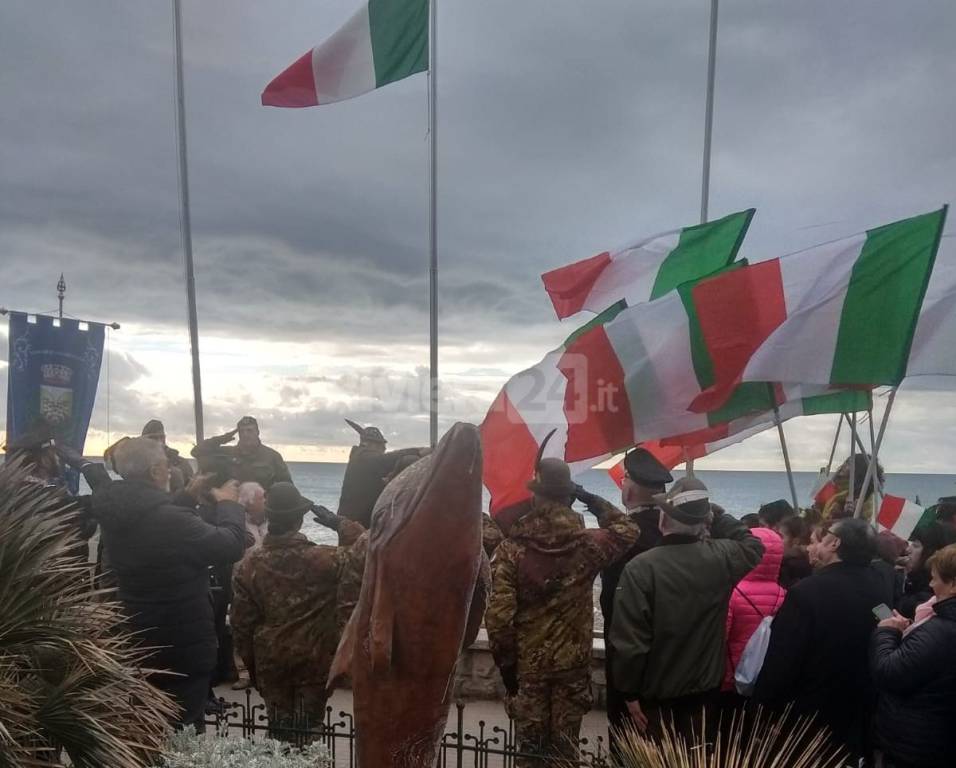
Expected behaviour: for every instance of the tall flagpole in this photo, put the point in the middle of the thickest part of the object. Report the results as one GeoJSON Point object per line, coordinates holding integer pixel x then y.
{"type": "Point", "coordinates": [433, 217]}
{"type": "Point", "coordinates": [186, 224]}
{"type": "Point", "coordinates": [708, 131]}
{"type": "Point", "coordinates": [709, 113]}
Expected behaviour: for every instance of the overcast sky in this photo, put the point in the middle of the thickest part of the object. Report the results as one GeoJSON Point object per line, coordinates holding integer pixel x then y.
{"type": "Point", "coordinates": [565, 128]}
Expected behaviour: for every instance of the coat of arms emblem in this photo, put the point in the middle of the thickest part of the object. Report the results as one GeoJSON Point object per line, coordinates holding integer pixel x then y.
{"type": "Point", "coordinates": [56, 394]}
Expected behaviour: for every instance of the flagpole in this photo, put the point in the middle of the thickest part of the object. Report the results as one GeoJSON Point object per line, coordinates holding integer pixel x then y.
{"type": "Point", "coordinates": [876, 480]}
{"type": "Point", "coordinates": [433, 218]}
{"type": "Point", "coordinates": [853, 438]}
{"type": "Point", "coordinates": [708, 132]}
{"type": "Point", "coordinates": [836, 439]}
{"type": "Point", "coordinates": [186, 224]}
{"type": "Point", "coordinates": [786, 456]}
{"type": "Point", "coordinates": [871, 469]}
{"type": "Point", "coordinates": [709, 113]}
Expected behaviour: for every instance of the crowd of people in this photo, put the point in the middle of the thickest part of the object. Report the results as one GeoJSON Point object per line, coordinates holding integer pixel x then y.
{"type": "Point", "coordinates": [704, 613]}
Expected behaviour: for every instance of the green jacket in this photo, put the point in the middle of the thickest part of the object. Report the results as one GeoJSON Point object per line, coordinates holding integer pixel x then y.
{"type": "Point", "coordinates": [261, 464]}
{"type": "Point", "coordinates": [670, 611]}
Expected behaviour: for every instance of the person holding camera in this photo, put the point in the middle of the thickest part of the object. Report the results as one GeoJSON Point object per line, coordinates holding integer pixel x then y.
{"type": "Point", "coordinates": [540, 616]}
{"type": "Point", "coordinates": [160, 552]}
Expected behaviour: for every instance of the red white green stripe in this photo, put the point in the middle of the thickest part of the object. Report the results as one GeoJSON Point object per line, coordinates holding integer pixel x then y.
{"type": "Point", "coordinates": [646, 269]}
{"type": "Point", "coordinates": [901, 516]}
{"type": "Point", "coordinates": [533, 402]}
{"type": "Point", "coordinates": [385, 41]}
{"type": "Point", "coordinates": [841, 314]}
{"type": "Point", "coordinates": [677, 449]}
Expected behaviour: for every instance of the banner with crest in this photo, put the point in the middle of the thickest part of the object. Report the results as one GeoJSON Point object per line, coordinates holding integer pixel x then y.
{"type": "Point", "coordinates": [54, 368]}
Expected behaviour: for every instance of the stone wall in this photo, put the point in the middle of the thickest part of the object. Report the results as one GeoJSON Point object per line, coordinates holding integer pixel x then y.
{"type": "Point", "coordinates": [477, 676]}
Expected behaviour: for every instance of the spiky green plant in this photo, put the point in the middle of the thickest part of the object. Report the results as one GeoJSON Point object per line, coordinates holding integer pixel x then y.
{"type": "Point", "coordinates": [752, 739]}
{"type": "Point", "coordinates": [71, 681]}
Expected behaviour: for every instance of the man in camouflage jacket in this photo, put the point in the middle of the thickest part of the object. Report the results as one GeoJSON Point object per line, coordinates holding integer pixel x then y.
{"type": "Point", "coordinates": [540, 618]}
{"type": "Point", "coordinates": [249, 460]}
{"type": "Point", "coordinates": [286, 617]}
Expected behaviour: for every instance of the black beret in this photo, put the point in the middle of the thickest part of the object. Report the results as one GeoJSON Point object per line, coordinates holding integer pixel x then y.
{"type": "Point", "coordinates": [644, 469]}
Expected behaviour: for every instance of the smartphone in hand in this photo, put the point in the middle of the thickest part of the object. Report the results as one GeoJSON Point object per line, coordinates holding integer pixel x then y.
{"type": "Point", "coordinates": [882, 611]}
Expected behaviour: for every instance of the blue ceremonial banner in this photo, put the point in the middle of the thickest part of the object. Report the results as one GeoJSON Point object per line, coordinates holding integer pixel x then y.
{"type": "Point", "coordinates": [54, 367]}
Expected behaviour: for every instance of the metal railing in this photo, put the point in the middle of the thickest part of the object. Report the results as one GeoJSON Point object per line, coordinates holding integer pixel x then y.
{"type": "Point", "coordinates": [487, 747]}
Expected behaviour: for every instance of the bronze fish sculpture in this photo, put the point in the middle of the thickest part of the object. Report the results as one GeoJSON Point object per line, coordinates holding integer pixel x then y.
{"type": "Point", "coordinates": [422, 600]}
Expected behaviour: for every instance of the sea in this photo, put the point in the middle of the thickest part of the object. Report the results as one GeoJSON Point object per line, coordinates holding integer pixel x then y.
{"type": "Point", "coordinates": [736, 491]}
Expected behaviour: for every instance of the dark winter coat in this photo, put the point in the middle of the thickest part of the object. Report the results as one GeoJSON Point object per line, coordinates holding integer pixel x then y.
{"type": "Point", "coordinates": [915, 679]}
{"type": "Point", "coordinates": [160, 554]}
{"type": "Point", "coordinates": [670, 612]}
{"type": "Point", "coordinates": [817, 657]}
{"type": "Point", "coordinates": [365, 478]}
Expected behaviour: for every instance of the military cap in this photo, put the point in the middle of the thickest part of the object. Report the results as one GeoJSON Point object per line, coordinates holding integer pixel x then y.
{"type": "Point", "coordinates": [153, 428]}
{"type": "Point", "coordinates": [367, 434]}
{"type": "Point", "coordinates": [284, 500]}
{"type": "Point", "coordinates": [247, 421]}
{"type": "Point", "coordinates": [688, 501]}
{"type": "Point", "coordinates": [644, 468]}
{"type": "Point", "coordinates": [552, 479]}
{"type": "Point", "coordinates": [38, 437]}
{"type": "Point", "coordinates": [774, 511]}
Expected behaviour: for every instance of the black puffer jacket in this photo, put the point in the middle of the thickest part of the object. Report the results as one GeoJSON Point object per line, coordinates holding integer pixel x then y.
{"type": "Point", "coordinates": [915, 677]}
{"type": "Point", "coordinates": [160, 554]}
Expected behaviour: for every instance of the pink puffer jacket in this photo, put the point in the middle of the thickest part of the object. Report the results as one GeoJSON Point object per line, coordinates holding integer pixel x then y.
{"type": "Point", "coordinates": [757, 595]}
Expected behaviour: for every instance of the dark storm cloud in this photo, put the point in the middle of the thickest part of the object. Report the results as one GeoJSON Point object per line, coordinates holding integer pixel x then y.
{"type": "Point", "coordinates": [565, 129]}
{"type": "Point", "coordinates": [562, 133]}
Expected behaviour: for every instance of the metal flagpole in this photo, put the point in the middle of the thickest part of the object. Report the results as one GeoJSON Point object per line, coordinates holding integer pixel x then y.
{"type": "Point", "coordinates": [708, 131]}
{"type": "Point", "coordinates": [786, 457]}
{"type": "Point", "coordinates": [186, 224]}
{"type": "Point", "coordinates": [836, 439]}
{"type": "Point", "coordinates": [709, 113]}
{"type": "Point", "coordinates": [876, 480]}
{"type": "Point", "coordinates": [871, 469]}
{"type": "Point", "coordinates": [853, 439]}
{"type": "Point", "coordinates": [433, 218]}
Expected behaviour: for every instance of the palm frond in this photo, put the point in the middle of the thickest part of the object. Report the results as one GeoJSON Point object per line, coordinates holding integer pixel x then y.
{"type": "Point", "coordinates": [71, 678]}
{"type": "Point", "coordinates": [751, 738]}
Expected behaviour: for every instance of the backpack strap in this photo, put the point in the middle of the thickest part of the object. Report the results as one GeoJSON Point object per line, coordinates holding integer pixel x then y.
{"type": "Point", "coordinates": [744, 596]}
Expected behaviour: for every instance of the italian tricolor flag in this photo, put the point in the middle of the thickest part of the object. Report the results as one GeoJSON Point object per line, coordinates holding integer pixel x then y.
{"type": "Point", "coordinates": [840, 314]}
{"type": "Point", "coordinates": [673, 450]}
{"type": "Point", "coordinates": [646, 269]}
{"type": "Point", "coordinates": [901, 516]}
{"type": "Point", "coordinates": [385, 41]}
{"type": "Point", "coordinates": [533, 402]}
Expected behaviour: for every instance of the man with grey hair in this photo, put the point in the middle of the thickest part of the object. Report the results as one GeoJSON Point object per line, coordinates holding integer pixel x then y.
{"type": "Point", "coordinates": [670, 609]}
{"type": "Point", "coordinates": [160, 554]}
{"type": "Point", "coordinates": [252, 497]}
{"type": "Point", "coordinates": [817, 659]}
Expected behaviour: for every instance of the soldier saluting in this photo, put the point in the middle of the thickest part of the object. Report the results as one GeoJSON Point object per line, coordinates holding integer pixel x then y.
{"type": "Point", "coordinates": [369, 469]}
{"type": "Point", "coordinates": [540, 617]}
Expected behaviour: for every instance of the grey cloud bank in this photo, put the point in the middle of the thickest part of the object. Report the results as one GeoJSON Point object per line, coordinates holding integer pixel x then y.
{"type": "Point", "coordinates": [565, 128]}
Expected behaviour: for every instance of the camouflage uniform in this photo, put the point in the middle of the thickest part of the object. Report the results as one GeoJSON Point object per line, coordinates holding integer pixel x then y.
{"type": "Point", "coordinates": [540, 618]}
{"type": "Point", "coordinates": [491, 535]}
{"type": "Point", "coordinates": [260, 464]}
{"type": "Point", "coordinates": [285, 620]}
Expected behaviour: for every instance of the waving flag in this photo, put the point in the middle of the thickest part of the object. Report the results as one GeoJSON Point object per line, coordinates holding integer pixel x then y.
{"type": "Point", "coordinates": [385, 41]}
{"type": "Point", "coordinates": [842, 314]}
{"type": "Point", "coordinates": [901, 516]}
{"type": "Point", "coordinates": [647, 269]}
{"type": "Point", "coordinates": [534, 401]}
{"type": "Point", "coordinates": [676, 449]}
